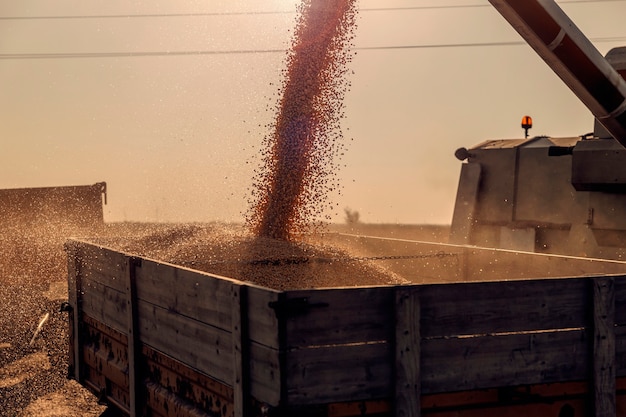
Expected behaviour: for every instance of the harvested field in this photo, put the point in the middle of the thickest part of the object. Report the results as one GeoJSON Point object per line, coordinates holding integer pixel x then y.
{"type": "Point", "coordinates": [33, 276]}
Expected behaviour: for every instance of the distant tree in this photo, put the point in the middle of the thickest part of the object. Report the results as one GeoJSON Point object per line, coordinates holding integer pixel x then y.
{"type": "Point", "coordinates": [352, 216]}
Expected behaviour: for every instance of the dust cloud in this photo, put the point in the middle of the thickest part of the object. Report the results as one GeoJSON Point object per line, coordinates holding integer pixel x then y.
{"type": "Point", "coordinates": [34, 332]}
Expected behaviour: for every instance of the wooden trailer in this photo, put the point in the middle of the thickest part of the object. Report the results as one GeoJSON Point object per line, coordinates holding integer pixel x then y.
{"type": "Point", "coordinates": [49, 207]}
{"type": "Point", "coordinates": [481, 332]}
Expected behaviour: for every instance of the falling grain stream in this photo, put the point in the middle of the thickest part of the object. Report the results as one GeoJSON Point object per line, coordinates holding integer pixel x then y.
{"type": "Point", "coordinates": [302, 150]}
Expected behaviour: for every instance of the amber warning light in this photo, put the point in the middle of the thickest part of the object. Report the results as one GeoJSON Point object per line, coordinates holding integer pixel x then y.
{"type": "Point", "coordinates": [527, 123]}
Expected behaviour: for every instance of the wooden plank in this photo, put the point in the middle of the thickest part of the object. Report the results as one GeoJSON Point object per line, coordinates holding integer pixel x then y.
{"type": "Point", "coordinates": [407, 353]}
{"type": "Point", "coordinates": [199, 345]}
{"type": "Point", "coordinates": [497, 307]}
{"type": "Point", "coordinates": [206, 298]}
{"type": "Point", "coordinates": [106, 276]}
{"type": "Point", "coordinates": [103, 273]}
{"type": "Point", "coordinates": [194, 294]}
{"type": "Point", "coordinates": [107, 391]}
{"type": "Point", "coordinates": [156, 361]}
{"type": "Point", "coordinates": [164, 402]}
{"type": "Point", "coordinates": [466, 363]}
{"type": "Point", "coordinates": [338, 316]}
{"type": "Point", "coordinates": [339, 373]}
{"type": "Point", "coordinates": [265, 374]}
{"type": "Point", "coordinates": [604, 346]}
{"type": "Point", "coordinates": [113, 368]}
{"type": "Point", "coordinates": [188, 384]}
{"type": "Point", "coordinates": [110, 332]}
{"type": "Point", "coordinates": [105, 304]}
{"type": "Point", "coordinates": [106, 362]}
{"type": "Point", "coordinates": [102, 265]}
{"type": "Point", "coordinates": [263, 323]}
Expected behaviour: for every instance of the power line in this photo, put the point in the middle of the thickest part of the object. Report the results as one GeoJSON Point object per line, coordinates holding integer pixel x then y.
{"type": "Point", "coordinates": [139, 54]}
{"type": "Point", "coordinates": [474, 44]}
{"type": "Point", "coordinates": [128, 16]}
{"type": "Point", "coordinates": [473, 6]}
{"type": "Point", "coordinates": [208, 14]}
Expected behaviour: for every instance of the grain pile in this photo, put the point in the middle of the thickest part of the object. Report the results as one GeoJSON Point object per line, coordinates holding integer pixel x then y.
{"type": "Point", "coordinates": [232, 252]}
{"type": "Point", "coordinates": [301, 154]}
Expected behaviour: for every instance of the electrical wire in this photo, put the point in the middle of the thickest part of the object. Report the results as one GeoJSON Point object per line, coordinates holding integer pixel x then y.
{"type": "Point", "coordinates": [73, 55]}
{"type": "Point", "coordinates": [139, 54]}
{"type": "Point", "coordinates": [472, 6]}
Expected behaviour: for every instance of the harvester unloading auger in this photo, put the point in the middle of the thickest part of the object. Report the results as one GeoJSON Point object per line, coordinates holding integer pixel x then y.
{"type": "Point", "coordinates": [544, 194]}
{"type": "Point", "coordinates": [557, 40]}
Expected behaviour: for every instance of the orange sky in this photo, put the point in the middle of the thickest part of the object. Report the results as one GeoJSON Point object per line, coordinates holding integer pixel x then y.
{"type": "Point", "coordinates": [175, 136]}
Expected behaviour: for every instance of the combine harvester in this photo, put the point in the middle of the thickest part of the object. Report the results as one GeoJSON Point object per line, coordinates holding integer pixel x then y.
{"type": "Point", "coordinates": [481, 332]}
{"type": "Point", "coordinates": [553, 195]}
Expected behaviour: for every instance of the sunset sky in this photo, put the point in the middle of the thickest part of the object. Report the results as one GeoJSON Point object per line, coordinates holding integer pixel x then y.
{"type": "Point", "coordinates": [167, 101]}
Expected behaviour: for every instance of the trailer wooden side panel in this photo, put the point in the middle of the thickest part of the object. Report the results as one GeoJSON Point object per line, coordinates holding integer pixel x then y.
{"type": "Point", "coordinates": [401, 350]}
{"type": "Point", "coordinates": [469, 363]}
{"type": "Point", "coordinates": [185, 315]}
{"type": "Point", "coordinates": [338, 316]}
{"type": "Point", "coordinates": [472, 336]}
{"type": "Point", "coordinates": [500, 307]}
{"type": "Point", "coordinates": [104, 304]}
{"type": "Point", "coordinates": [337, 373]}
{"type": "Point", "coordinates": [186, 293]}
{"type": "Point", "coordinates": [201, 346]}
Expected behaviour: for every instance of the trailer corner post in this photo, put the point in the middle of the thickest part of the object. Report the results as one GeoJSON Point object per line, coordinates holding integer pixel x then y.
{"type": "Point", "coordinates": [604, 347]}
{"type": "Point", "coordinates": [134, 380]}
{"type": "Point", "coordinates": [239, 331]}
{"type": "Point", "coordinates": [407, 352]}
